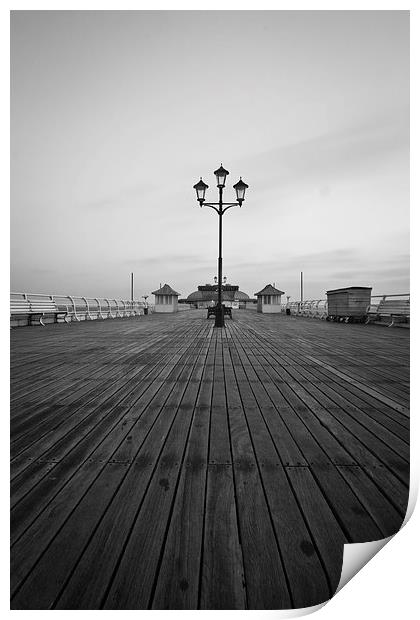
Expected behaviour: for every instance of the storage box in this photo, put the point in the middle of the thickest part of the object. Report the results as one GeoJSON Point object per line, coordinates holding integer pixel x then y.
{"type": "Point", "coordinates": [349, 303]}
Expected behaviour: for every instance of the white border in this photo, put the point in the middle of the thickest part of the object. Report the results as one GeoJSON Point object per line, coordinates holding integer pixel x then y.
{"type": "Point", "coordinates": [387, 586]}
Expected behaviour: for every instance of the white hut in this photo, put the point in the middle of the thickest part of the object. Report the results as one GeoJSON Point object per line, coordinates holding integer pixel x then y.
{"type": "Point", "coordinates": [166, 299]}
{"type": "Point", "coordinates": [269, 300]}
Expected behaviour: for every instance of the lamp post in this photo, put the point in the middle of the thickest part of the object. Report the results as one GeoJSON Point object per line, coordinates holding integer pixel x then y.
{"type": "Point", "coordinates": [217, 282]}
{"type": "Point", "coordinates": [220, 208]}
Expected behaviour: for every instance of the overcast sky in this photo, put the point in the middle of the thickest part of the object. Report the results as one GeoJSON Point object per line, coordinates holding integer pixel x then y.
{"type": "Point", "coordinates": [115, 115]}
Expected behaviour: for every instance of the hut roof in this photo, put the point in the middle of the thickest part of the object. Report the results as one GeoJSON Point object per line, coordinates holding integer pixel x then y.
{"type": "Point", "coordinates": [165, 290]}
{"type": "Point", "coordinates": [211, 295]}
{"type": "Point", "coordinates": [270, 290]}
{"type": "Point", "coordinates": [350, 288]}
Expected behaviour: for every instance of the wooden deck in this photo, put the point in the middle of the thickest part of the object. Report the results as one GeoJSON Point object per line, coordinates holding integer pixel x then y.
{"type": "Point", "coordinates": [160, 463]}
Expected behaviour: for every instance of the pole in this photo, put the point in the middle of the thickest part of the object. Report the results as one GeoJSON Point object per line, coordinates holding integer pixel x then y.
{"type": "Point", "coordinates": [301, 288]}
{"type": "Point", "coordinates": [219, 321]}
{"type": "Point", "coordinates": [132, 287]}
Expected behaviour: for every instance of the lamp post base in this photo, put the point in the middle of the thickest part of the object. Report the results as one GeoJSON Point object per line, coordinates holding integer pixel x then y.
{"type": "Point", "coordinates": [220, 319]}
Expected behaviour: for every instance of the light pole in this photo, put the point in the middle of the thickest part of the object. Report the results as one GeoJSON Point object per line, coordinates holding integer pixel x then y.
{"type": "Point", "coordinates": [220, 208]}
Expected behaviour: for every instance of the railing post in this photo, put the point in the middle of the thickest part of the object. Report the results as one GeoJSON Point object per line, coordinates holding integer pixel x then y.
{"type": "Point", "coordinates": [87, 308]}
{"type": "Point", "coordinates": [76, 317]}
{"type": "Point", "coordinates": [99, 308]}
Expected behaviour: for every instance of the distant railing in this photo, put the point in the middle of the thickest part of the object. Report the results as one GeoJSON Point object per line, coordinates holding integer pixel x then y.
{"type": "Point", "coordinates": [312, 308]}
{"type": "Point", "coordinates": [89, 308]}
{"type": "Point", "coordinates": [318, 308]}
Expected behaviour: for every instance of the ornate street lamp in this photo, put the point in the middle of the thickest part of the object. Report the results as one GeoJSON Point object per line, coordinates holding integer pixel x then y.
{"type": "Point", "coordinates": [221, 175]}
{"type": "Point", "coordinates": [240, 187]}
{"type": "Point", "coordinates": [220, 208]}
{"type": "Point", "coordinates": [200, 188]}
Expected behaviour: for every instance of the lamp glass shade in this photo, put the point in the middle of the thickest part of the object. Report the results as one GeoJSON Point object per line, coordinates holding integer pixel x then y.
{"type": "Point", "coordinates": [221, 175]}
{"type": "Point", "coordinates": [200, 188]}
{"type": "Point", "coordinates": [240, 188]}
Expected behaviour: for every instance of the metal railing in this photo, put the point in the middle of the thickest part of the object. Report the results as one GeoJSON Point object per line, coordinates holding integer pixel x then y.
{"type": "Point", "coordinates": [318, 308]}
{"type": "Point", "coordinates": [374, 305]}
{"type": "Point", "coordinates": [312, 308]}
{"type": "Point", "coordinates": [89, 308]}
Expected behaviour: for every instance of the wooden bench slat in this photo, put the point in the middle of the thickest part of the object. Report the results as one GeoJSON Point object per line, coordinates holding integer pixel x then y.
{"type": "Point", "coordinates": [395, 309]}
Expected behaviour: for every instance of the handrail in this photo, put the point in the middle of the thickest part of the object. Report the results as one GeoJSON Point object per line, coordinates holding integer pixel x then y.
{"type": "Point", "coordinates": [393, 295]}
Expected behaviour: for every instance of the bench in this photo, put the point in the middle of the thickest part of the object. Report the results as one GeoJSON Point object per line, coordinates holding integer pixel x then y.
{"type": "Point", "coordinates": [398, 310]}
{"type": "Point", "coordinates": [36, 309]}
{"type": "Point", "coordinates": [211, 311]}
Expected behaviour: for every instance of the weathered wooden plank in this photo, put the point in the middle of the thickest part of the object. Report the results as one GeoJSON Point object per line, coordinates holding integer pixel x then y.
{"type": "Point", "coordinates": [120, 363]}
{"type": "Point", "coordinates": [222, 576]}
{"type": "Point", "coordinates": [37, 588]}
{"type": "Point", "coordinates": [353, 518]}
{"type": "Point", "coordinates": [304, 574]}
{"type": "Point", "coordinates": [365, 388]}
{"type": "Point", "coordinates": [360, 399]}
{"type": "Point", "coordinates": [47, 420]}
{"type": "Point", "coordinates": [327, 400]}
{"type": "Point", "coordinates": [87, 512]}
{"type": "Point", "coordinates": [319, 371]}
{"type": "Point", "coordinates": [147, 537]}
{"type": "Point", "coordinates": [219, 448]}
{"type": "Point", "coordinates": [328, 536]}
{"type": "Point", "coordinates": [309, 448]}
{"type": "Point", "coordinates": [387, 518]}
{"type": "Point", "coordinates": [266, 583]}
{"type": "Point", "coordinates": [47, 371]}
{"type": "Point", "coordinates": [128, 375]}
{"type": "Point", "coordinates": [356, 438]}
{"type": "Point", "coordinates": [348, 401]}
{"type": "Point", "coordinates": [364, 456]}
{"type": "Point", "coordinates": [49, 375]}
{"type": "Point", "coordinates": [329, 445]}
{"type": "Point", "coordinates": [391, 486]}
{"type": "Point", "coordinates": [98, 446]}
{"type": "Point", "coordinates": [178, 581]}
{"type": "Point", "coordinates": [287, 447]}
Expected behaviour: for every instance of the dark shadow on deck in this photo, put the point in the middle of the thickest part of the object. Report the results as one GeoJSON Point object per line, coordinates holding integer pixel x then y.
{"type": "Point", "coordinates": [160, 463]}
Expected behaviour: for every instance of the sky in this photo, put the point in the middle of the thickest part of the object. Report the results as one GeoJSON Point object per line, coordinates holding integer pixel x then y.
{"type": "Point", "coordinates": [115, 116]}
